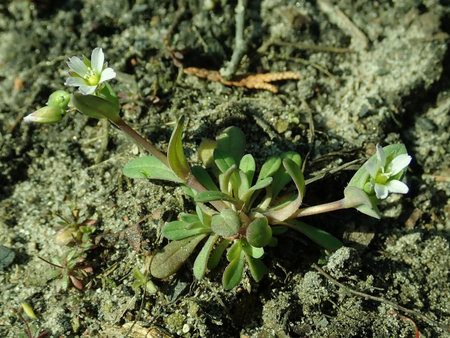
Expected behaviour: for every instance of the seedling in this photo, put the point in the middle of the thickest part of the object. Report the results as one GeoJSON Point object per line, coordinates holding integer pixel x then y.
{"type": "Point", "coordinates": [70, 269]}
{"type": "Point", "coordinates": [240, 211]}
{"type": "Point", "coordinates": [75, 228]}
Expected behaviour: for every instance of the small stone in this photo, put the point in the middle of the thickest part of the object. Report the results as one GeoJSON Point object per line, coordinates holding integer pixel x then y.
{"type": "Point", "coordinates": [186, 328]}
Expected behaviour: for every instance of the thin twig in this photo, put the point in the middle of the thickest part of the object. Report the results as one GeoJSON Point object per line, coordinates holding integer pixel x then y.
{"type": "Point", "coordinates": [28, 326]}
{"type": "Point", "coordinates": [239, 43]}
{"type": "Point", "coordinates": [336, 16]}
{"type": "Point", "coordinates": [379, 299]}
{"type": "Point", "coordinates": [53, 264]}
{"type": "Point", "coordinates": [303, 46]}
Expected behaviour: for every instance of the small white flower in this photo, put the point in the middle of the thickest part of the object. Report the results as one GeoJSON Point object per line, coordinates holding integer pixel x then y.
{"type": "Point", "coordinates": [383, 175]}
{"type": "Point", "coordinates": [89, 75]}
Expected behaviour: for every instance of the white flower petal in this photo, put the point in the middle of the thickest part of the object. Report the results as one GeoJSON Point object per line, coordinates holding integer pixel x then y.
{"type": "Point", "coordinates": [399, 163]}
{"type": "Point", "coordinates": [77, 66]}
{"type": "Point", "coordinates": [381, 156]}
{"type": "Point", "coordinates": [397, 187]}
{"type": "Point", "coordinates": [86, 90]}
{"type": "Point", "coordinates": [107, 74]}
{"type": "Point", "coordinates": [381, 191]}
{"type": "Point", "coordinates": [75, 81]}
{"type": "Point", "coordinates": [372, 168]}
{"type": "Point", "coordinates": [97, 59]}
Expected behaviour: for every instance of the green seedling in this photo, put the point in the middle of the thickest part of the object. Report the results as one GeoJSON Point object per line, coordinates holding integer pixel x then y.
{"type": "Point", "coordinates": [141, 281]}
{"type": "Point", "coordinates": [241, 208]}
{"type": "Point", "coordinates": [75, 228]}
{"type": "Point", "coordinates": [70, 269]}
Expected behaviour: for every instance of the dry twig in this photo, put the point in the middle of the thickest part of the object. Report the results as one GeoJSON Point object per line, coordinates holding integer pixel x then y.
{"type": "Point", "coordinates": [254, 81]}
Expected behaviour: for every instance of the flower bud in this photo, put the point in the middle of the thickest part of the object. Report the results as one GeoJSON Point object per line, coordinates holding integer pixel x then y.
{"type": "Point", "coordinates": [47, 114]}
{"type": "Point", "coordinates": [59, 98]}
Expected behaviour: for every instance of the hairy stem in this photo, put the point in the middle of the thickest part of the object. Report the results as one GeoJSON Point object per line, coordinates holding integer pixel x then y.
{"type": "Point", "coordinates": [141, 141]}
{"type": "Point", "coordinates": [191, 181]}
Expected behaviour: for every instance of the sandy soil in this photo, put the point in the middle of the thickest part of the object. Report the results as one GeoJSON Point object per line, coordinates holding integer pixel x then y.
{"type": "Point", "coordinates": [371, 72]}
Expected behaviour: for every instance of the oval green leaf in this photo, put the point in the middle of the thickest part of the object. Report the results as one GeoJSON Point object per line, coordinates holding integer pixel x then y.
{"type": "Point", "coordinates": [233, 272]}
{"type": "Point", "coordinates": [257, 268]}
{"type": "Point", "coordinates": [150, 167]}
{"type": "Point", "coordinates": [201, 261]}
{"type": "Point", "coordinates": [226, 223]}
{"type": "Point", "coordinates": [169, 260]}
{"type": "Point", "coordinates": [259, 232]}
{"type": "Point", "coordinates": [177, 230]}
{"type": "Point", "coordinates": [216, 254]}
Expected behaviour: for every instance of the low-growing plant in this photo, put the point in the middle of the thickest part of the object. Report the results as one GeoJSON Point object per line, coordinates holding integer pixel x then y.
{"type": "Point", "coordinates": [71, 269]}
{"type": "Point", "coordinates": [74, 228]}
{"type": "Point", "coordinates": [240, 209]}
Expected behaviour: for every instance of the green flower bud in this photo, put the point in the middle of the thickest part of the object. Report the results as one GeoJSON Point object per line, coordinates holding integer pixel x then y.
{"type": "Point", "coordinates": [47, 114]}
{"type": "Point", "coordinates": [59, 98]}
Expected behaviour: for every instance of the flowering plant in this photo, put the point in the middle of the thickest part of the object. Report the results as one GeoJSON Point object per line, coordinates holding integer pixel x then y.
{"type": "Point", "coordinates": [384, 174]}
{"type": "Point", "coordinates": [89, 75]}
{"type": "Point", "coordinates": [235, 207]}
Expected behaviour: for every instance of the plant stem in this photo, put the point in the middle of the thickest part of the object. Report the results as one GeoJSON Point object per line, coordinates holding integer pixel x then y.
{"type": "Point", "coordinates": [141, 141]}
{"type": "Point", "coordinates": [191, 180]}
{"type": "Point", "coordinates": [320, 209]}
{"type": "Point", "coordinates": [53, 264]}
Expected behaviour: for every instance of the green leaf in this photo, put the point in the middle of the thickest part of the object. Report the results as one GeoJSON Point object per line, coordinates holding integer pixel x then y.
{"type": "Point", "coordinates": [248, 167]}
{"type": "Point", "coordinates": [206, 152]}
{"type": "Point", "coordinates": [257, 268]}
{"type": "Point", "coordinates": [279, 230]}
{"type": "Point", "coordinates": [273, 242]}
{"type": "Point", "coordinates": [295, 172]}
{"type": "Point", "coordinates": [177, 230]}
{"type": "Point", "coordinates": [230, 148]}
{"type": "Point", "coordinates": [265, 182]}
{"type": "Point", "coordinates": [242, 184]}
{"type": "Point", "coordinates": [208, 196]}
{"type": "Point", "coordinates": [217, 252]}
{"type": "Point", "coordinates": [201, 261]}
{"type": "Point", "coordinates": [228, 176]}
{"type": "Point", "coordinates": [282, 177]}
{"type": "Point", "coordinates": [319, 236]}
{"type": "Point", "coordinates": [189, 218]}
{"type": "Point", "coordinates": [269, 168]}
{"type": "Point", "coordinates": [259, 232]}
{"type": "Point", "coordinates": [251, 250]}
{"type": "Point", "coordinates": [108, 93]}
{"type": "Point", "coordinates": [357, 198]}
{"type": "Point", "coordinates": [234, 251]}
{"type": "Point", "coordinates": [226, 223]}
{"type": "Point", "coordinates": [175, 153]}
{"type": "Point", "coordinates": [169, 260]}
{"type": "Point", "coordinates": [203, 177]}
{"type": "Point", "coordinates": [233, 272]}
{"type": "Point", "coordinates": [96, 107]}
{"type": "Point", "coordinates": [150, 167]}
{"type": "Point", "coordinates": [203, 216]}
